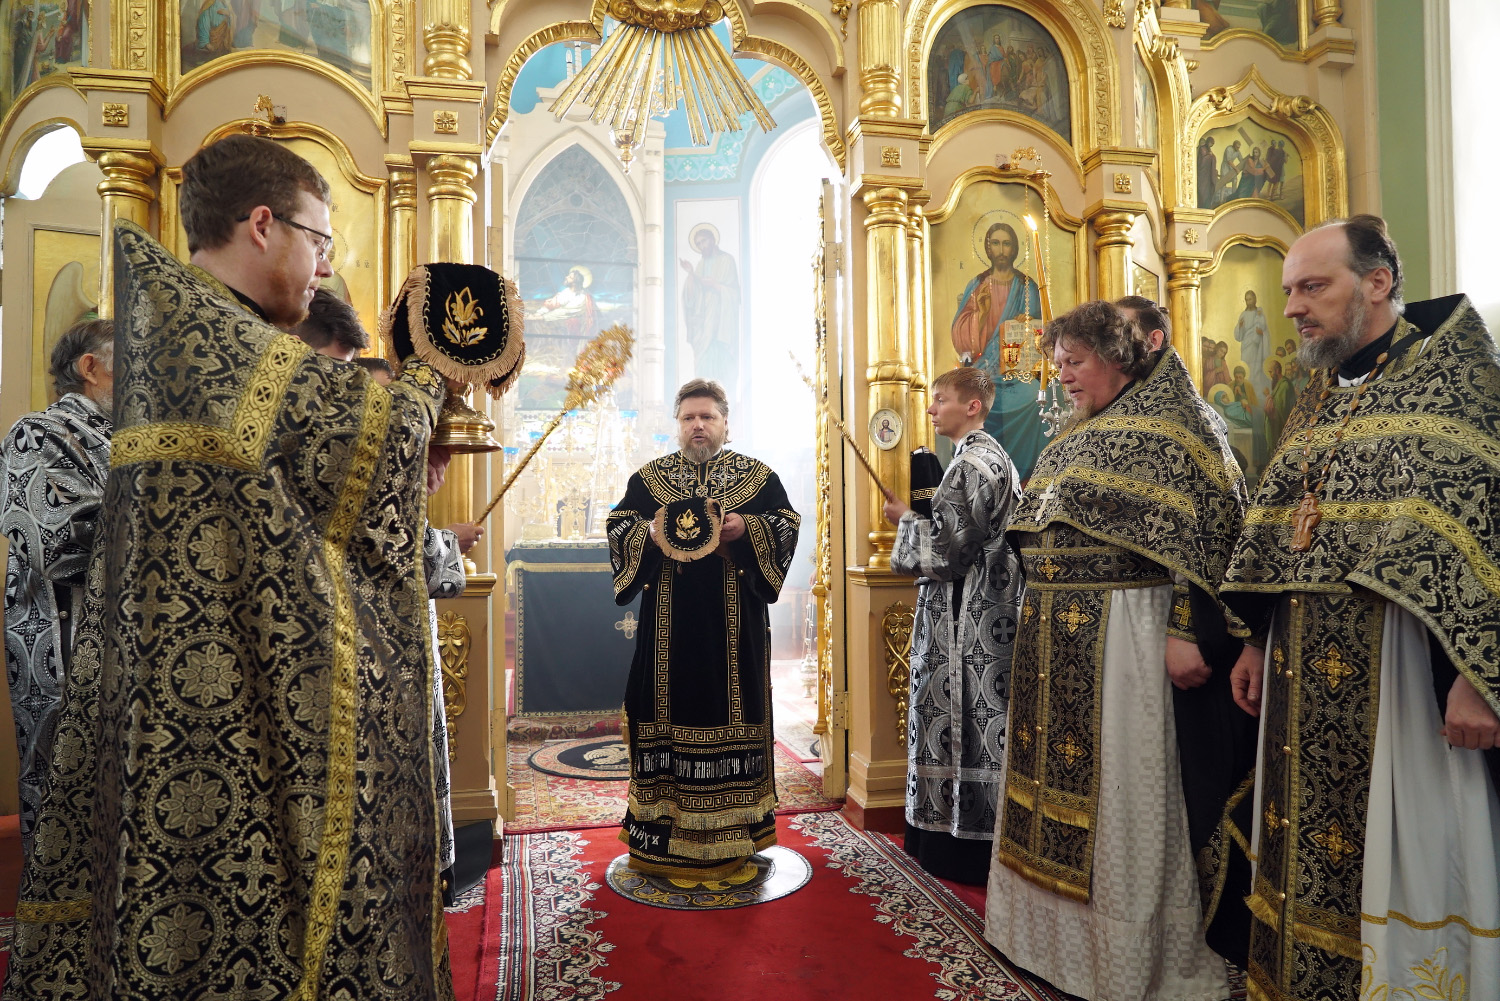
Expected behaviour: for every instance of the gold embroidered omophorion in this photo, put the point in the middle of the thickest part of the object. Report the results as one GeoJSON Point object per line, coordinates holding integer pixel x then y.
{"type": "Point", "coordinates": [243, 803]}
{"type": "Point", "coordinates": [698, 700]}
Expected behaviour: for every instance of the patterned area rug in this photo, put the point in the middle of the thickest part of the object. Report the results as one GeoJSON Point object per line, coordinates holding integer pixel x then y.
{"type": "Point", "coordinates": [602, 759]}
{"type": "Point", "coordinates": [554, 803]}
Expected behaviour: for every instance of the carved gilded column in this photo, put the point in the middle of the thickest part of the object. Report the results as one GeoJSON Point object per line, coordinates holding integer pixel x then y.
{"type": "Point", "coordinates": [447, 36]}
{"type": "Point", "coordinates": [126, 193]}
{"type": "Point", "coordinates": [888, 316]}
{"type": "Point", "coordinates": [920, 355]}
{"type": "Point", "coordinates": [403, 222]}
{"type": "Point", "coordinates": [1184, 286]}
{"type": "Point", "coordinates": [450, 201]}
{"type": "Point", "coordinates": [879, 59]}
{"type": "Point", "coordinates": [1113, 250]}
{"type": "Point", "coordinates": [476, 794]}
{"type": "Point", "coordinates": [1327, 12]}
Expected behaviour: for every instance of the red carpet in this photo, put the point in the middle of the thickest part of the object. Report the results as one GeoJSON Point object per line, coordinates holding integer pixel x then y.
{"type": "Point", "coordinates": [864, 927]}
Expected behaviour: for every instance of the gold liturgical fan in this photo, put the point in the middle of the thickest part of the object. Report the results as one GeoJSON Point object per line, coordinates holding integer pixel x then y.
{"type": "Point", "coordinates": [466, 322]}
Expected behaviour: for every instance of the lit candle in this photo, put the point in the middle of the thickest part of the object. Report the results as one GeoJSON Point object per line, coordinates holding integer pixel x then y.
{"type": "Point", "coordinates": [1040, 267]}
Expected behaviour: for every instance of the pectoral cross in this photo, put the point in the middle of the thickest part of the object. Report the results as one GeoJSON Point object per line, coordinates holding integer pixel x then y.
{"type": "Point", "coordinates": [1046, 498]}
{"type": "Point", "coordinates": [1304, 521]}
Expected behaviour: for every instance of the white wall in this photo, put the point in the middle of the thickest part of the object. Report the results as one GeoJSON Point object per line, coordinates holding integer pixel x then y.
{"type": "Point", "coordinates": [1474, 34]}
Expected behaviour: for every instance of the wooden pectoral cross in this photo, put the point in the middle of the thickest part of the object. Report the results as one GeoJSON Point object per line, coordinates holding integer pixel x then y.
{"type": "Point", "coordinates": [1304, 521]}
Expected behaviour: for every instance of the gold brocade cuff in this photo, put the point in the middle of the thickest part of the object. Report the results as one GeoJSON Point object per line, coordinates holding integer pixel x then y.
{"type": "Point", "coordinates": [1180, 622]}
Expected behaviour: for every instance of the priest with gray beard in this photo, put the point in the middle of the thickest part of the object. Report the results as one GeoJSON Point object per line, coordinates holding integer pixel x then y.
{"type": "Point", "coordinates": [1366, 573]}
{"type": "Point", "coordinates": [705, 535]}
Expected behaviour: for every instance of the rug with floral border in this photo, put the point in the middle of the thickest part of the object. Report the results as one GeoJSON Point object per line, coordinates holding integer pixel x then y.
{"type": "Point", "coordinates": [546, 802]}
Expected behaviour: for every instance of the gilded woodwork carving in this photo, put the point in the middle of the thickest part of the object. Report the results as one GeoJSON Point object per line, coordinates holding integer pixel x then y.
{"type": "Point", "coordinates": [822, 585]}
{"type": "Point", "coordinates": [447, 35]}
{"type": "Point", "coordinates": [125, 193]}
{"type": "Point", "coordinates": [453, 640]}
{"type": "Point", "coordinates": [1307, 123]}
{"type": "Point", "coordinates": [403, 222]}
{"type": "Point", "coordinates": [1184, 288]}
{"type": "Point", "coordinates": [1115, 15]}
{"type": "Point", "coordinates": [1113, 246]}
{"type": "Point", "coordinates": [116, 116]}
{"type": "Point", "coordinates": [563, 31]}
{"type": "Point", "coordinates": [666, 15]}
{"type": "Point", "coordinates": [833, 136]}
{"type": "Point", "coordinates": [399, 40]}
{"type": "Point", "coordinates": [896, 629]}
{"type": "Point", "coordinates": [1327, 12]}
{"type": "Point", "coordinates": [888, 313]}
{"type": "Point", "coordinates": [879, 48]}
{"type": "Point", "coordinates": [841, 10]}
{"type": "Point", "coordinates": [590, 31]}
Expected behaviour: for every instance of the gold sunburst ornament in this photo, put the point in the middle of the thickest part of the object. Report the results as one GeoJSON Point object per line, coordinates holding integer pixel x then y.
{"type": "Point", "coordinates": [662, 54]}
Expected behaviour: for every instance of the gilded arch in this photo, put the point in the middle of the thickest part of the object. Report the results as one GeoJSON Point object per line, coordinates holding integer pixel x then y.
{"type": "Point", "coordinates": [1310, 126]}
{"type": "Point", "coordinates": [1174, 94]}
{"type": "Point", "coordinates": [67, 109]}
{"type": "Point", "coordinates": [1080, 33]}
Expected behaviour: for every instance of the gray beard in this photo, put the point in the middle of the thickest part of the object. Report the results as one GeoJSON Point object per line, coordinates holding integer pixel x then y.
{"type": "Point", "coordinates": [1328, 351]}
{"type": "Point", "coordinates": [699, 454]}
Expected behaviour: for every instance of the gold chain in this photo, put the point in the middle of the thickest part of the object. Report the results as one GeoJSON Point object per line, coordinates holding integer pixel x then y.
{"type": "Point", "coordinates": [1338, 435]}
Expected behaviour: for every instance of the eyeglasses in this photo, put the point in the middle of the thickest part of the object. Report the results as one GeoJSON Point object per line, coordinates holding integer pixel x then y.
{"type": "Point", "coordinates": [322, 242]}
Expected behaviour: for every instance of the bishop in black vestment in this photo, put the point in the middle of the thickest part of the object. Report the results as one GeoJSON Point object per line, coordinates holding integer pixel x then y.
{"type": "Point", "coordinates": [698, 702]}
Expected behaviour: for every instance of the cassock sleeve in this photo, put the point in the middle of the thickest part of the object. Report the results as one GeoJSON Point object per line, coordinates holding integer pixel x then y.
{"type": "Point", "coordinates": [50, 513]}
{"type": "Point", "coordinates": [765, 551]}
{"type": "Point", "coordinates": [634, 557]}
{"type": "Point", "coordinates": [944, 547]}
{"type": "Point", "coordinates": [442, 563]}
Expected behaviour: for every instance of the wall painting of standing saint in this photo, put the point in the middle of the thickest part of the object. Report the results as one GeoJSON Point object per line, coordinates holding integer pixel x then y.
{"type": "Point", "coordinates": [1250, 371]}
{"type": "Point", "coordinates": [1247, 160]}
{"type": "Point", "coordinates": [39, 38]}
{"type": "Point", "coordinates": [336, 32]}
{"type": "Point", "coordinates": [1274, 18]}
{"type": "Point", "coordinates": [997, 57]}
{"type": "Point", "coordinates": [576, 265]}
{"type": "Point", "coordinates": [986, 308]}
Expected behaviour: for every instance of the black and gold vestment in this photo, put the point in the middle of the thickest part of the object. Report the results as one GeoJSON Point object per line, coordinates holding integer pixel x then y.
{"type": "Point", "coordinates": [698, 700]}
{"type": "Point", "coordinates": [241, 802]}
{"type": "Point", "coordinates": [1407, 528]}
{"type": "Point", "coordinates": [1129, 514]}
